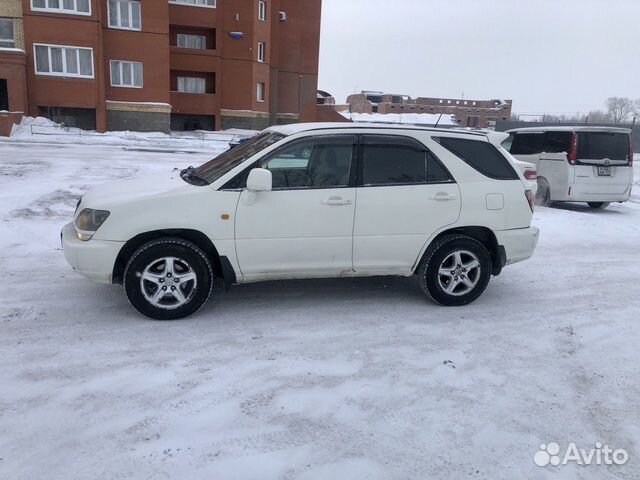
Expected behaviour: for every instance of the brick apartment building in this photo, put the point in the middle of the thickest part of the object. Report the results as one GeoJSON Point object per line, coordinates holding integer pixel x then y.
{"type": "Point", "coordinates": [159, 64]}
{"type": "Point", "coordinates": [470, 113]}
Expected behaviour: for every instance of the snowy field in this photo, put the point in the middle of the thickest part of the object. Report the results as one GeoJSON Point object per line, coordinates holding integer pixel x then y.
{"type": "Point", "coordinates": [330, 379]}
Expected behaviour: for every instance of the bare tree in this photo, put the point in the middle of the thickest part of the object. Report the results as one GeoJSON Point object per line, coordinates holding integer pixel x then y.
{"type": "Point", "coordinates": [619, 108]}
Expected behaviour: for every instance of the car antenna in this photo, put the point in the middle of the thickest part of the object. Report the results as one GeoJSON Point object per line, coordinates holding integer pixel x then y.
{"type": "Point", "coordinates": [439, 118]}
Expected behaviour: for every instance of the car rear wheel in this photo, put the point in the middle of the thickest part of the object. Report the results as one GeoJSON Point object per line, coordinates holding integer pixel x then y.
{"type": "Point", "coordinates": [455, 271]}
{"type": "Point", "coordinates": [168, 279]}
{"type": "Point", "coordinates": [543, 193]}
{"type": "Point", "coordinates": [598, 205]}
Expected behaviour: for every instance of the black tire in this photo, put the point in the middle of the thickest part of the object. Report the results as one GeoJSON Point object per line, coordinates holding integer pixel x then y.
{"type": "Point", "coordinates": [429, 270]}
{"type": "Point", "coordinates": [598, 205]}
{"type": "Point", "coordinates": [543, 193]}
{"type": "Point", "coordinates": [195, 292]}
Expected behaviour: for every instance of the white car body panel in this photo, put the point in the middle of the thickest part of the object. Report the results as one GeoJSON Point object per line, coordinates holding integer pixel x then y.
{"type": "Point", "coordinates": [310, 233]}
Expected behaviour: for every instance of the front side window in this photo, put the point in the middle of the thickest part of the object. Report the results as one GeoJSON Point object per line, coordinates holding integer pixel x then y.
{"type": "Point", "coordinates": [393, 160]}
{"type": "Point", "coordinates": [315, 163]}
{"type": "Point", "coordinates": [197, 3]}
{"type": "Point", "coordinates": [192, 41]}
{"type": "Point", "coordinates": [262, 11]}
{"type": "Point", "coordinates": [72, 7]}
{"type": "Point", "coordinates": [7, 38]}
{"type": "Point", "coordinates": [63, 61]}
{"type": "Point", "coordinates": [125, 14]}
{"type": "Point", "coordinates": [261, 52]}
{"type": "Point", "coordinates": [126, 74]}
{"type": "Point", "coordinates": [481, 155]}
{"type": "Point", "coordinates": [192, 85]}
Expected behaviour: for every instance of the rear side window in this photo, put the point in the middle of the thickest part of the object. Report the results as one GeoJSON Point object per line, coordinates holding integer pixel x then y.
{"type": "Point", "coordinates": [527, 144]}
{"type": "Point", "coordinates": [391, 160]}
{"type": "Point", "coordinates": [481, 155]}
{"type": "Point", "coordinates": [599, 145]}
{"type": "Point", "coordinates": [557, 142]}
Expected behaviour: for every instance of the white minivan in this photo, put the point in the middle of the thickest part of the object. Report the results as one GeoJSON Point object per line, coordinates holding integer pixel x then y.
{"type": "Point", "coordinates": [577, 164]}
{"type": "Point", "coordinates": [310, 201]}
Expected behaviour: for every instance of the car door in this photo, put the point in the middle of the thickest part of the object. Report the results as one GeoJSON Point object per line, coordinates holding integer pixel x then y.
{"type": "Point", "coordinates": [303, 228]}
{"type": "Point", "coordinates": [404, 195]}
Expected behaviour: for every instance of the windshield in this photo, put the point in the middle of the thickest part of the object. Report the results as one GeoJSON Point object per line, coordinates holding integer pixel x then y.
{"type": "Point", "coordinates": [216, 168]}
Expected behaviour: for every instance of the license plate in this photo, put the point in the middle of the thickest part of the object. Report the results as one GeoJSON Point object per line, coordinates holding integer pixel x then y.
{"type": "Point", "coordinates": [604, 171]}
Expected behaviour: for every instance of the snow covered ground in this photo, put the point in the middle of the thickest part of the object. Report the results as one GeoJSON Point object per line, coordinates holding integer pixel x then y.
{"type": "Point", "coordinates": [328, 379]}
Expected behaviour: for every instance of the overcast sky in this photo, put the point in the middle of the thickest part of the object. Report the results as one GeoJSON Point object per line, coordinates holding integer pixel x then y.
{"type": "Point", "coordinates": [553, 56]}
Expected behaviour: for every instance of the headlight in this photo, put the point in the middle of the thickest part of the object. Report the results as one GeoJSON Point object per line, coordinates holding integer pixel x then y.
{"type": "Point", "coordinates": [88, 222]}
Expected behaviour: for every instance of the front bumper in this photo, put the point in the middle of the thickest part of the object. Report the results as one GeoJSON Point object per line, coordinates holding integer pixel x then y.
{"type": "Point", "coordinates": [518, 244]}
{"type": "Point", "coordinates": [94, 259]}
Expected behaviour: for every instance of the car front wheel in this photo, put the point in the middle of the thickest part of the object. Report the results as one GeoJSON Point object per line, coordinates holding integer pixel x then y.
{"type": "Point", "coordinates": [168, 279]}
{"type": "Point", "coordinates": [456, 270]}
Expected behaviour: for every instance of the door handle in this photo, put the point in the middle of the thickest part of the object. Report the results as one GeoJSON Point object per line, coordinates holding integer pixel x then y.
{"type": "Point", "coordinates": [443, 196]}
{"type": "Point", "coordinates": [336, 201]}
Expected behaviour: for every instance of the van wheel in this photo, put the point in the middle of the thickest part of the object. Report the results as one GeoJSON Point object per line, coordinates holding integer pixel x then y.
{"type": "Point", "coordinates": [598, 205]}
{"type": "Point", "coordinates": [455, 271]}
{"type": "Point", "coordinates": [543, 194]}
{"type": "Point", "coordinates": [168, 279]}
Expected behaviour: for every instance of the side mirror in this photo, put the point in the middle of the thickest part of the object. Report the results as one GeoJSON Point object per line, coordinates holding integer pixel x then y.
{"type": "Point", "coordinates": [260, 180]}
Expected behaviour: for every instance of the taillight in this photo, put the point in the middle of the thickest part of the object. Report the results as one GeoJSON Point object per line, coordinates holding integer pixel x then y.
{"type": "Point", "coordinates": [573, 153]}
{"type": "Point", "coordinates": [531, 198]}
{"type": "Point", "coordinates": [531, 174]}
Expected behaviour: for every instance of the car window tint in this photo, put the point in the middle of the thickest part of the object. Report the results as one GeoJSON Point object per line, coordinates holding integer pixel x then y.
{"type": "Point", "coordinates": [436, 172]}
{"type": "Point", "coordinates": [314, 163]}
{"type": "Point", "coordinates": [599, 145]}
{"type": "Point", "coordinates": [527, 144]}
{"type": "Point", "coordinates": [392, 161]}
{"type": "Point", "coordinates": [481, 155]}
{"type": "Point", "coordinates": [557, 142]}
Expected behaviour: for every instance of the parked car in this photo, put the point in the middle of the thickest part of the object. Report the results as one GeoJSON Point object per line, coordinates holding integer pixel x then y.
{"type": "Point", "coordinates": [310, 201]}
{"type": "Point", "coordinates": [577, 164]}
{"type": "Point", "coordinates": [529, 170]}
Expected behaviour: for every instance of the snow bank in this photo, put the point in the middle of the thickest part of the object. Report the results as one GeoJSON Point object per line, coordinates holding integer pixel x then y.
{"type": "Point", "coordinates": [43, 130]}
{"type": "Point", "coordinates": [403, 118]}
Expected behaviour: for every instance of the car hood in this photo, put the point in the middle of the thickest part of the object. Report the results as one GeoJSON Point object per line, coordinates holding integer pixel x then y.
{"type": "Point", "coordinates": [120, 192]}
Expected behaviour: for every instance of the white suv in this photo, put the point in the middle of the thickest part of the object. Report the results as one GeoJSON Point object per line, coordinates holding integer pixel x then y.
{"type": "Point", "coordinates": [310, 201]}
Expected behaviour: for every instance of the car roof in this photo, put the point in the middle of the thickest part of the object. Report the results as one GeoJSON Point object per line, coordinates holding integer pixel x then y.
{"type": "Point", "coordinates": [294, 128]}
{"type": "Point", "coordinates": [570, 128]}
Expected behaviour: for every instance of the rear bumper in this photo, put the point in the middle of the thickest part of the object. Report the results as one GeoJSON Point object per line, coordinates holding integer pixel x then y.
{"type": "Point", "coordinates": [93, 259]}
{"type": "Point", "coordinates": [518, 244]}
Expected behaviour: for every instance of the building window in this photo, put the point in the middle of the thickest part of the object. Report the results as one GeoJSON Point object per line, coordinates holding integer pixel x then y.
{"type": "Point", "coordinates": [261, 92]}
{"type": "Point", "coordinates": [126, 74]}
{"type": "Point", "coordinates": [262, 48]}
{"type": "Point", "coordinates": [62, 61]}
{"type": "Point", "coordinates": [72, 7]}
{"type": "Point", "coordinates": [192, 84]}
{"type": "Point", "coordinates": [473, 121]}
{"type": "Point", "coordinates": [196, 3]}
{"type": "Point", "coordinates": [7, 38]}
{"type": "Point", "coordinates": [192, 41]}
{"type": "Point", "coordinates": [262, 11]}
{"type": "Point", "coordinates": [125, 14]}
